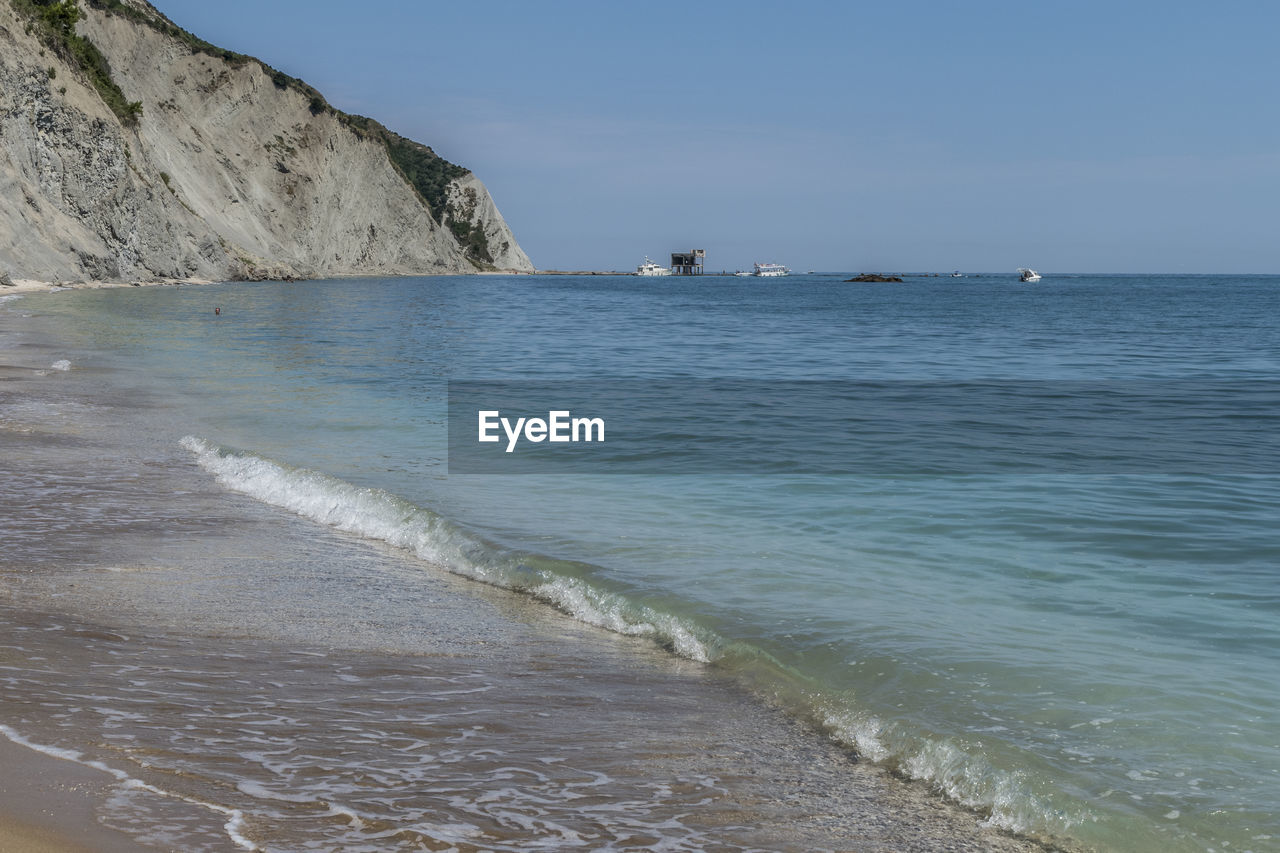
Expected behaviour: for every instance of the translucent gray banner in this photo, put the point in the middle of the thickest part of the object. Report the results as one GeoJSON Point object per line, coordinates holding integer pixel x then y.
{"type": "Point", "coordinates": [731, 426]}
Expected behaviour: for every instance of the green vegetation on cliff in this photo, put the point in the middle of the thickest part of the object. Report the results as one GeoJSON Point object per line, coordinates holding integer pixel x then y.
{"type": "Point", "coordinates": [55, 23]}
{"type": "Point", "coordinates": [426, 172]}
{"type": "Point", "coordinates": [470, 235]}
{"type": "Point", "coordinates": [169, 28]}
{"type": "Point", "coordinates": [423, 169]}
{"type": "Point", "coordinates": [430, 175]}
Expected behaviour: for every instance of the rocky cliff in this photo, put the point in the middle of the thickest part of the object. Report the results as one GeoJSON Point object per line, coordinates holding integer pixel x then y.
{"type": "Point", "coordinates": [201, 163]}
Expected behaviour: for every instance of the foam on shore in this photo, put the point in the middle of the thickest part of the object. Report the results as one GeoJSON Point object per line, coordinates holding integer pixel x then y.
{"type": "Point", "coordinates": [234, 825]}
{"type": "Point", "coordinates": [960, 776]}
{"type": "Point", "coordinates": [376, 514]}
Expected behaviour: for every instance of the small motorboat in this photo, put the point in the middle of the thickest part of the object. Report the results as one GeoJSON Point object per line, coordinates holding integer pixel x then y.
{"type": "Point", "coordinates": [652, 268]}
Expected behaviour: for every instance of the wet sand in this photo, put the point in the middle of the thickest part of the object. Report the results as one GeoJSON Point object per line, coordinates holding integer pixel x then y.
{"type": "Point", "coordinates": [145, 613]}
{"type": "Point", "coordinates": [31, 285]}
{"type": "Point", "coordinates": [48, 805]}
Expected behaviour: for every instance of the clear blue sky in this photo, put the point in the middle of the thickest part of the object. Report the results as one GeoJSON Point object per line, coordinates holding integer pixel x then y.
{"type": "Point", "coordinates": [1072, 137]}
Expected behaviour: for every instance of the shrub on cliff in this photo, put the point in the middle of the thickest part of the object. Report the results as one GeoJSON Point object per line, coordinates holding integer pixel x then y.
{"type": "Point", "coordinates": [55, 23]}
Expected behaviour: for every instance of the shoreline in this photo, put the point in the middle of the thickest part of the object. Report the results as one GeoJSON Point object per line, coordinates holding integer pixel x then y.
{"type": "Point", "coordinates": [31, 285]}
{"type": "Point", "coordinates": [548, 673]}
{"type": "Point", "coordinates": [48, 805]}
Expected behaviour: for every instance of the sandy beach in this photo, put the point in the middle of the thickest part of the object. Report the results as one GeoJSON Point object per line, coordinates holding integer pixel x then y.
{"type": "Point", "coordinates": [48, 805]}
{"type": "Point", "coordinates": [164, 572]}
{"type": "Point", "coordinates": [30, 285]}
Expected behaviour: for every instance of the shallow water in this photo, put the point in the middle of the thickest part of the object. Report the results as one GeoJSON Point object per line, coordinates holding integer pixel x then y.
{"type": "Point", "coordinates": [1088, 656]}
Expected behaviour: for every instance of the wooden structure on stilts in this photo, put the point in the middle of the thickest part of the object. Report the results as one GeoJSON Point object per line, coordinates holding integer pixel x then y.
{"type": "Point", "coordinates": [688, 263]}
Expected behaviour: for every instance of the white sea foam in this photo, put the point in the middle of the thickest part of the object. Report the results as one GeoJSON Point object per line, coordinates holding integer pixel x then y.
{"type": "Point", "coordinates": [235, 818]}
{"type": "Point", "coordinates": [353, 819]}
{"type": "Point", "coordinates": [861, 731]}
{"type": "Point", "coordinates": [960, 775]}
{"type": "Point", "coordinates": [971, 781]}
{"type": "Point", "coordinates": [61, 364]}
{"type": "Point", "coordinates": [376, 514]}
{"type": "Point", "coordinates": [613, 612]}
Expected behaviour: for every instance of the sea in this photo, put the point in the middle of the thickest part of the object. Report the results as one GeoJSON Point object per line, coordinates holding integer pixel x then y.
{"type": "Point", "coordinates": [994, 562]}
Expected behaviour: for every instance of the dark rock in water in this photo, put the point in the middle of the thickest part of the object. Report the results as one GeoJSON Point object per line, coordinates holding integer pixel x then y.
{"type": "Point", "coordinates": [874, 277]}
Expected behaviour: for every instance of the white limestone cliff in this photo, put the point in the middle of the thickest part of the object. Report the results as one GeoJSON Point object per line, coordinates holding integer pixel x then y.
{"type": "Point", "coordinates": [227, 173]}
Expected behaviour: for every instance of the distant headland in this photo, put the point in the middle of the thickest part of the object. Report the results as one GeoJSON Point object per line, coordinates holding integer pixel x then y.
{"type": "Point", "coordinates": [131, 149]}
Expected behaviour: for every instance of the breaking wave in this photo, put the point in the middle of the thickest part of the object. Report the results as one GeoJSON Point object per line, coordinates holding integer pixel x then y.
{"type": "Point", "coordinates": [377, 514]}
{"type": "Point", "coordinates": [1005, 797]}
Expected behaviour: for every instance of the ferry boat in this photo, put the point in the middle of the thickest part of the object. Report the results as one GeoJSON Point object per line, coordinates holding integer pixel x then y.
{"type": "Point", "coordinates": [651, 268]}
{"type": "Point", "coordinates": [770, 270]}
{"type": "Point", "coordinates": [1025, 274]}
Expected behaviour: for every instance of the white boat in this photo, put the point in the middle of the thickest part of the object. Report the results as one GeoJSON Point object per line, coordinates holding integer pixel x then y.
{"type": "Point", "coordinates": [957, 274]}
{"type": "Point", "coordinates": [1025, 274]}
{"type": "Point", "coordinates": [651, 268]}
{"type": "Point", "coordinates": [770, 270]}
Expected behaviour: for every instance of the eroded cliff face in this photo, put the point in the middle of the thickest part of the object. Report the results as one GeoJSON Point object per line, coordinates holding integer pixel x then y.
{"type": "Point", "coordinates": [468, 199]}
{"type": "Point", "coordinates": [227, 173]}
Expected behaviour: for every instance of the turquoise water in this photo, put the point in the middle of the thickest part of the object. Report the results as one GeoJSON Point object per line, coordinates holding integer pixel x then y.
{"type": "Point", "coordinates": [1089, 656]}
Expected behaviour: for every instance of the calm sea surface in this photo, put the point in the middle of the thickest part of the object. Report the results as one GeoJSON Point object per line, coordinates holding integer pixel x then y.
{"type": "Point", "coordinates": [1092, 656]}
